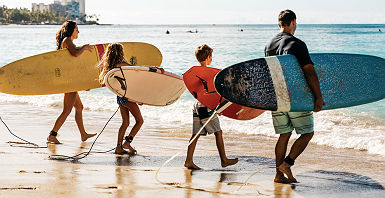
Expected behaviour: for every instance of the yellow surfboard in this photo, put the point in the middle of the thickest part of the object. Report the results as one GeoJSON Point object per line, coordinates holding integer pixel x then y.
{"type": "Point", "coordinates": [60, 72]}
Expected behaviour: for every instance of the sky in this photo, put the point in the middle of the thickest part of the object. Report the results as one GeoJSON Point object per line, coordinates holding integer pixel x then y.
{"type": "Point", "coordinates": [227, 11]}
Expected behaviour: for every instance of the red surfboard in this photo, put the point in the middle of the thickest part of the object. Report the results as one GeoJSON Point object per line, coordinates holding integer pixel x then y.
{"type": "Point", "coordinates": [200, 82]}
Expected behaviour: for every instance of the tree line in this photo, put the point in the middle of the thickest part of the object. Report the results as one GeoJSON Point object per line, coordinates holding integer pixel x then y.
{"type": "Point", "coordinates": [25, 16]}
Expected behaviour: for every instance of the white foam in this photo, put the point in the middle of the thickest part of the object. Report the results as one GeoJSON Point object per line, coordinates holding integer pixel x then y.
{"type": "Point", "coordinates": [336, 128]}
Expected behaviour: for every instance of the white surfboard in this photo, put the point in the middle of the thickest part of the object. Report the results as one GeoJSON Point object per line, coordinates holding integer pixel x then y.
{"type": "Point", "coordinates": [145, 85]}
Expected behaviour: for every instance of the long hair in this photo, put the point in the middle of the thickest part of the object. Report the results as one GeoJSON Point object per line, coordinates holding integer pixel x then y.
{"type": "Point", "coordinates": [113, 56]}
{"type": "Point", "coordinates": [66, 30]}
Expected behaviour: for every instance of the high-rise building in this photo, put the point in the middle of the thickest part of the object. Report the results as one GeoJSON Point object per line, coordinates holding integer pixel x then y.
{"type": "Point", "coordinates": [81, 13]}
{"type": "Point", "coordinates": [82, 10]}
{"type": "Point", "coordinates": [58, 8]}
{"type": "Point", "coordinates": [73, 9]}
{"type": "Point", "coordinates": [40, 7]}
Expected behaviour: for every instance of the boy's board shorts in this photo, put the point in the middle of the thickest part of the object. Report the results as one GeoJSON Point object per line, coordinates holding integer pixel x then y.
{"type": "Point", "coordinates": [211, 127]}
{"type": "Point", "coordinates": [286, 122]}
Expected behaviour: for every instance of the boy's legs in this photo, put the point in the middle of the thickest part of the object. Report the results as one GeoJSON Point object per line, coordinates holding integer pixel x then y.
{"type": "Point", "coordinates": [197, 127]}
{"type": "Point", "coordinates": [221, 149]}
{"type": "Point", "coordinates": [190, 154]}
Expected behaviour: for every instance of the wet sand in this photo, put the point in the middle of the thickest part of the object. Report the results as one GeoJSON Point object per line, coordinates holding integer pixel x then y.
{"type": "Point", "coordinates": [28, 172]}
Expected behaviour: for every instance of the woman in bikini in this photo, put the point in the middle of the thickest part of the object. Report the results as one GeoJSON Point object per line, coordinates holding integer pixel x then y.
{"type": "Point", "coordinates": [64, 39]}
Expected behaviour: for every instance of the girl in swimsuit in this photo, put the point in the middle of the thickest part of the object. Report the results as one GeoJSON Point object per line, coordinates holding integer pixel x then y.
{"type": "Point", "coordinates": [114, 57]}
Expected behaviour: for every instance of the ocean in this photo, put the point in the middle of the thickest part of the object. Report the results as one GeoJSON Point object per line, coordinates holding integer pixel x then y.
{"type": "Point", "coordinates": [361, 127]}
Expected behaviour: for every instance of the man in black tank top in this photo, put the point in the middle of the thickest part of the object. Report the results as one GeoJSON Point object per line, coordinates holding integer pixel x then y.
{"type": "Point", "coordinates": [286, 122]}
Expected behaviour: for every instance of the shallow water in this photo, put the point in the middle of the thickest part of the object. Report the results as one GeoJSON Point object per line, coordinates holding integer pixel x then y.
{"type": "Point", "coordinates": [360, 128]}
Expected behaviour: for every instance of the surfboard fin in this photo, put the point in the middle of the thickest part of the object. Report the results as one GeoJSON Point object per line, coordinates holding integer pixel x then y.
{"type": "Point", "coordinates": [120, 80]}
{"type": "Point", "coordinates": [195, 94]}
{"type": "Point", "coordinates": [152, 69]}
{"type": "Point", "coordinates": [205, 87]}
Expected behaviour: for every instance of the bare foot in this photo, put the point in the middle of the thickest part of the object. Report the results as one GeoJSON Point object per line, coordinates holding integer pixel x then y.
{"type": "Point", "coordinates": [191, 166]}
{"type": "Point", "coordinates": [285, 168]}
{"type": "Point", "coordinates": [229, 162]}
{"type": "Point", "coordinates": [52, 139]}
{"type": "Point", "coordinates": [128, 146]}
{"type": "Point", "coordinates": [86, 136]}
{"type": "Point", "coordinates": [120, 151]}
{"type": "Point", "coordinates": [282, 180]}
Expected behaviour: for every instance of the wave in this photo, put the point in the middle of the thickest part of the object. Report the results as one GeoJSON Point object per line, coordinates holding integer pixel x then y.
{"type": "Point", "coordinates": [345, 128]}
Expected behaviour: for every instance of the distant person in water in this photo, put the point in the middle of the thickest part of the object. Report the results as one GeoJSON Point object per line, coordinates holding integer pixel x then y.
{"type": "Point", "coordinates": [285, 122]}
{"type": "Point", "coordinates": [113, 58]}
{"type": "Point", "coordinates": [201, 114]}
{"type": "Point", "coordinates": [64, 39]}
{"type": "Point", "coordinates": [379, 30]}
{"type": "Point", "coordinates": [196, 31]}
{"type": "Point", "coordinates": [167, 32]}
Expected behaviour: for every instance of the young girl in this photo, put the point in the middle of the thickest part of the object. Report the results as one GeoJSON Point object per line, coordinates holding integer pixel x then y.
{"type": "Point", "coordinates": [114, 57]}
{"type": "Point", "coordinates": [64, 39]}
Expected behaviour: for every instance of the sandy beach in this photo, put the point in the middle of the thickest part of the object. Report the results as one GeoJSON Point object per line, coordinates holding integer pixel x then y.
{"type": "Point", "coordinates": [28, 172]}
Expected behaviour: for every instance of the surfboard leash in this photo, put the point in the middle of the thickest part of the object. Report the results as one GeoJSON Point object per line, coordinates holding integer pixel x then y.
{"type": "Point", "coordinates": [85, 154]}
{"type": "Point", "coordinates": [221, 107]}
{"type": "Point", "coordinates": [25, 142]}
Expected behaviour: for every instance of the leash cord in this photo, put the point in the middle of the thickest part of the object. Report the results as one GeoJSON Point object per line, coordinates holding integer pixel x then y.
{"type": "Point", "coordinates": [24, 141]}
{"type": "Point", "coordinates": [85, 154]}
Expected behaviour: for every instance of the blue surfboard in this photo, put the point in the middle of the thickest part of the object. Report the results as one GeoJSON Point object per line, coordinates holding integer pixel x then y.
{"type": "Point", "coordinates": [277, 83]}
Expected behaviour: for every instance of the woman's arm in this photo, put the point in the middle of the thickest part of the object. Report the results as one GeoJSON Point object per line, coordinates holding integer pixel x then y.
{"type": "Point", "coordinates": [75, 51]}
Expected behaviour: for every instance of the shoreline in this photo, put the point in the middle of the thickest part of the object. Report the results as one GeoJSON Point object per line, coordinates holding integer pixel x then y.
{"type": "Point", "coordinates": [28, 172]}
{"type": "Point", "coordinates": [18, 24]}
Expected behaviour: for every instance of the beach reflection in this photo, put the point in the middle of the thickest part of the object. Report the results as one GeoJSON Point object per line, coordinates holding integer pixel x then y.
{"type": "Point", "coordinates": [283, 190]}
{"type": "Point", "coordinates": [66, 177]}
{"type": "Point", "coordinates": [222, 177]}
{"type": "Point", "coordinates": [220, 186]}
{"type": "Point", "coordinates": [122, 178]}
{"type": "Point", "coordinates": [188, 179]}
{"type": "Point", "coordinates": [52, 148]}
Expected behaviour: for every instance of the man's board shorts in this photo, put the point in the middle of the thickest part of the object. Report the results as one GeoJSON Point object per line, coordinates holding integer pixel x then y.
{"type": "Point", "coordinates": [121, 101]}
{"type": "Point", "coordinates": [286, 122]}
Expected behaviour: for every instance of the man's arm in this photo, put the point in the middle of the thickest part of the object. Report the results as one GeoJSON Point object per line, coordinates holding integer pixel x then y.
{"type": "Point", "coordinates": [312, 80]}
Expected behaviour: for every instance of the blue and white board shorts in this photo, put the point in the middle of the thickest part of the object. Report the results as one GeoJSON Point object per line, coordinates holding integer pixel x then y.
{"type": "Point", "coordinates": [286, 122]}
{"type": "Point", "coordinates": [121, 101]}
{"type": "Point", "coordinates": [211, 127]}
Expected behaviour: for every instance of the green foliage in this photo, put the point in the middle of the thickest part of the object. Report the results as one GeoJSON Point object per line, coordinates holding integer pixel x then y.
{"type": "Point", "coordinates": [25, 16]}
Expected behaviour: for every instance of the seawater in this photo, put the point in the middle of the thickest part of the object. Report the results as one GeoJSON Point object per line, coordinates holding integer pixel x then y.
{"type": "Point", "coordinates": [361, 127]}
